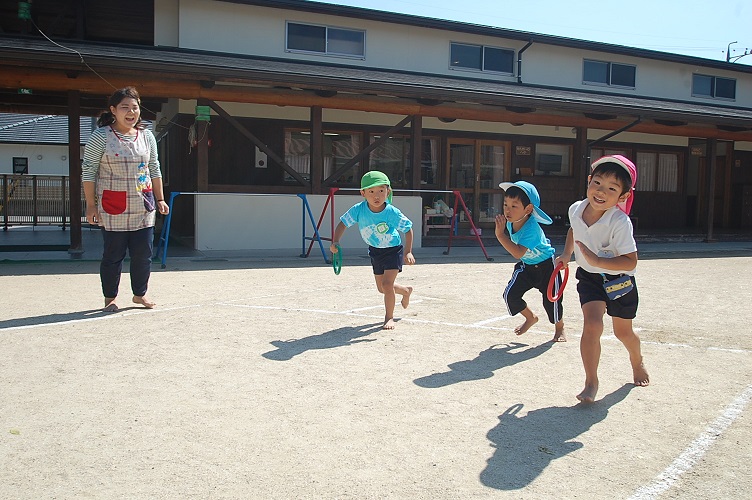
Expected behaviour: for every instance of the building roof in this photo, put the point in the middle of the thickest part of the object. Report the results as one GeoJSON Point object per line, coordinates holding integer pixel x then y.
{"type": "Point", "coordinates": [42, 129]}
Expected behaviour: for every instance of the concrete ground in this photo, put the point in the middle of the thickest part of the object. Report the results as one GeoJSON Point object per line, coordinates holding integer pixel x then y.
{"type": "Point", "coordinates": [267, 376]}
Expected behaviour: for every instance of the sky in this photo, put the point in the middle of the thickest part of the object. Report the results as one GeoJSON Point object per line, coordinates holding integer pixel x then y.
{"type": "Point", "coordinates": [698, 28]}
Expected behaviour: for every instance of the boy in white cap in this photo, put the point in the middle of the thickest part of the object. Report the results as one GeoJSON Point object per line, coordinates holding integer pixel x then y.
{"type": "Point", "coordinates": [526, 241]}
{"type": "Point", "coordinates": [380, 225]}
{"type": "Point", "coordinates": [601, 238]}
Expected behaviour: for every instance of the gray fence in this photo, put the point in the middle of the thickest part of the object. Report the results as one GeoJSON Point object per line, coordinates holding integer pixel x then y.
{"type": "Point", "coordinates": [36, 200]}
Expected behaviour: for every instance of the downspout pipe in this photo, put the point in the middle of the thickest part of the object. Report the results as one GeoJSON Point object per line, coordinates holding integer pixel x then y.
{"type": "Point", "coordinates": [519, 60]}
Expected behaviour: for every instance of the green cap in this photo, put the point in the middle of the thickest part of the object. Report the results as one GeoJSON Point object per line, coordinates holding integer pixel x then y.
{"type": "Point", "coordinates": [375, 178]}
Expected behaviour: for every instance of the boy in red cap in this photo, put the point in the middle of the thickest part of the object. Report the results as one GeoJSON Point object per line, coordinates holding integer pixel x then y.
{"type": "Point", "coordinates": [601, 238]}
{"type": "Point", "coordinates": [380, 225]}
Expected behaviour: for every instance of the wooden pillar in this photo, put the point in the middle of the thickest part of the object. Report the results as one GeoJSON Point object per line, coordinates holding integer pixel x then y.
{"type": "Point", "coordinates": [582, 161]}
{"type": "Point", "coordinates": [416, 139]}
{"type": "Point", "coordinates": [202, 147]}
{"type": "Point", "coordinates": [317, 149]}
{"type": "Point", "coordinates": [712, 153]}
{"type": "Point", "coordinates": [74, 170]}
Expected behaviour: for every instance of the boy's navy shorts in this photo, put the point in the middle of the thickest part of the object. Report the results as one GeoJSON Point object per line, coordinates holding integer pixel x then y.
{"type": "Point", "coordinates": [590, 288]}
{"type": "Point", "coordinates": [386, 258]}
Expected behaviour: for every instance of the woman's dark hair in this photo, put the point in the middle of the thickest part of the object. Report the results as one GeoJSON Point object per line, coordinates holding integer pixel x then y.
{"type": "Point", "coordinates": [610, 168]}
{"type": "Point", "coordinates": [107, 118]}
{"type": "Point", "coordinates": [517, 193]}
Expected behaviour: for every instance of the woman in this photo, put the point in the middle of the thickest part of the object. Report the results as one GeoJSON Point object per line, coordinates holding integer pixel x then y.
{"type": "Point", "coordinates": [123, 187]}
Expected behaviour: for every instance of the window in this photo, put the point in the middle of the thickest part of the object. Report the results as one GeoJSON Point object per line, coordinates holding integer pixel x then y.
{"type": "Point", "coordinates": [552, 159]}
{"type": "Point", "coordinates": [481, 58]}
{"type": "Point", "coordinates": [713, 86]}
{"type": "Point", "coordinates": [657, 172]}
{"type": "Point", "coordinates": [325, 40]}
{"type": "Point", "coordinates": [20, 165]}
{"type": "Point", "coordinates": [393, 158]}
{"type": "Point", "coordinates": [339, 148]}
{"type": "Point", "coordinates": [608, 73]}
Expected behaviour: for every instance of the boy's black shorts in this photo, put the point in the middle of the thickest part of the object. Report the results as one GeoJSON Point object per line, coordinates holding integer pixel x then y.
{"type": "Point", "coordinates": [590, 288]}
{"type": "Point", "coordinates": [386, 258]}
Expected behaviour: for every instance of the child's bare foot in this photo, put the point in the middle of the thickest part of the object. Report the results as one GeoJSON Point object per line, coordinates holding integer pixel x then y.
{"type": "Point", "coordinates": [559, 333]}
{"type": "Point", "coordinates": [389, 324]}
{"type": "Point", "coordinates": [640, 374]}
{"type": "Point", "coordinates": [406, 298]}
{"type": "Point", "coordinates": [109, 305]}
{"type": "Point", "coordinates": [144, 301]}
{"type": "Point", "coordinates": [526, 325]}
{"type": "Point", "coordinates": [587, 395]}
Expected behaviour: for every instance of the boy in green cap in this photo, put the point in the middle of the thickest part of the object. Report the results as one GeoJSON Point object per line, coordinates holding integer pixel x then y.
{"type": "Point", "coordinates": [380, 224]}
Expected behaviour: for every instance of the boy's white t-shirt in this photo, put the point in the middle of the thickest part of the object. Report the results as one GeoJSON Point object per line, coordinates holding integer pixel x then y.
{"type": "Point", "coordinates": [609, 237]}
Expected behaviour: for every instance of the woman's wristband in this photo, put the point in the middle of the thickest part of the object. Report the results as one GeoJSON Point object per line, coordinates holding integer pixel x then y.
{"type": "Point", "coordinates": [159, 201]}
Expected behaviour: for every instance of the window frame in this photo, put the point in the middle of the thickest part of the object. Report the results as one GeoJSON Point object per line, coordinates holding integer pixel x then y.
{"type": "Point", "coordinates": [610, 69]}
{"type": "Point", "coordinates": [482, 68]}
{"type": "Point", "coordinates": [655, 181]}
{"type": "Point", "coordinates": [20, 161]}
{"type": "Point", "coordinates": [566, 151]}
{"type": "Point", "coordinates": [713, 86]}
{"type": "Point", "coordinates": [326, 51]}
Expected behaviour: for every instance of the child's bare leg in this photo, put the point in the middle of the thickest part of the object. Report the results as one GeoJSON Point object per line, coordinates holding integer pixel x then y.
{"type": "Point", "coordinates": [559, 332]}
{"type": "Point", "coordinates": [624, 332]}
{"type": "Point", "coordinates": [590, 347]}
{"type": "Point", "coordinates": [530, 320]}
{"type": "Point", "coordinates": [385, 284]}
{"type": "Point", "coordinates": [405, 291]}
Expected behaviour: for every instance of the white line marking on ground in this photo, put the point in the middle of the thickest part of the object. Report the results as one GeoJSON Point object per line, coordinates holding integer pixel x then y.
{"type": "Point", "coordinates": [696, 450]}
{"type": "Point", "coordinates": [425, 297]}
{"type": "Point", "coordinates": [375, 307]}
{"type": "Point", "coordinates": [103, 316]}
{"type": "Point", "coordinates": [491, 320]}
{"type": "Point", "coordinates": [347, 313]}
{"type": "Point", "coordinates": [481, 325]}
{"type": "Point", "coordinates": [362, 309]}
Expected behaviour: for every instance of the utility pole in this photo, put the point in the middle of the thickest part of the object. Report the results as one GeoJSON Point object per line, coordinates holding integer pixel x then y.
{"type": "Point", "coordinates": [735, 58]}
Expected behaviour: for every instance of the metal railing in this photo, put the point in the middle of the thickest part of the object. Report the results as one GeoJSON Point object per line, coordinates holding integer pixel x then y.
{"type": "Point", "coordinates": [36, 200]}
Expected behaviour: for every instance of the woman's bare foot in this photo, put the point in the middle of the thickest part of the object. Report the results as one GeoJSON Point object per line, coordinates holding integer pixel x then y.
{"type": "Point", "coordinates": [144, 301]}
{"type": "Point", "coordinates": [406, 298]}
{"type": "Point", "coordinates": [640, 374]}
{"type": "Point", "coordinates": [588, 393]}
{"type": "Point", "coordinates": [559, 333]}
{"type": "Point", "coordinates": [109, 305]}
{"type": "Point", "coordinates": [526, 325]}
{"type": "Point", "coordinates": [389, 324]}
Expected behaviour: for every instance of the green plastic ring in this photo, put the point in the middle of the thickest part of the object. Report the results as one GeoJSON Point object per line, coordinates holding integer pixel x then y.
{"type": "Point", "coordinates": [337, 260]}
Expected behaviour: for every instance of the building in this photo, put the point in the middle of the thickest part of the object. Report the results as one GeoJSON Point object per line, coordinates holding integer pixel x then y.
{"type": "Point", "coordinates": [293, 96]}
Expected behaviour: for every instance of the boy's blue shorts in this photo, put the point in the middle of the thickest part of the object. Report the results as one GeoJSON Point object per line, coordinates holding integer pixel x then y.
{"type": "Point", "coordinates": [386, 258]}
{"type": "Point", "coordinates": [590, 289]}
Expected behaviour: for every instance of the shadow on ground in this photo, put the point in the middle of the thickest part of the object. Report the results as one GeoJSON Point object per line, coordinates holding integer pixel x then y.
{"type": "Point", "coordinates": [483, 366]}
{"type": "Point", "coordinates": [341, 337]}
{"type": "Point", "coordinates": [526, 445]}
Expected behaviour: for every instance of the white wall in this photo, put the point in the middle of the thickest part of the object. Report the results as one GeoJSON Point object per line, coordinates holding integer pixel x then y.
{"type": "Point", "coordinates": [53, 161]}
{"type": "Point", "coordinates": [256, 222]}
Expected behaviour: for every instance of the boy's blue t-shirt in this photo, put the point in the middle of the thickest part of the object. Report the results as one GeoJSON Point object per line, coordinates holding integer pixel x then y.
{"type": "Point", "coordinates": [378, 229]}
{"type": "Point", "coordinates": [532, 237]}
